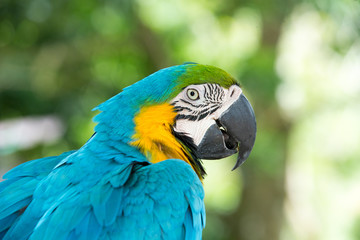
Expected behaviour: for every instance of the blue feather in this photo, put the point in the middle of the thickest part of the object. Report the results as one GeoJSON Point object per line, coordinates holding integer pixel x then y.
{"type": "Point", "coordinates": [6, 222]}
{"type": "Point", "coordinates": [107, 189]}
{"type": "Point", "coordinates": [17, 190]}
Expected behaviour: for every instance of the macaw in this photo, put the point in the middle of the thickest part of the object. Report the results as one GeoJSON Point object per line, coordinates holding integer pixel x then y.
{"type": "Point", "coordinates": [140, 175]}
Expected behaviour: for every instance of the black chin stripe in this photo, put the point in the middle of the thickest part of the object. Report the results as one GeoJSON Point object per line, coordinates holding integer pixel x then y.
{"type": "Point", "coordinates": [191, 147]}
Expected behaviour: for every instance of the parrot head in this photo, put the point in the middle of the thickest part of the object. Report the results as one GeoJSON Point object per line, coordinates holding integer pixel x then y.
{"type": "Point", "coordinates": [189, 112]}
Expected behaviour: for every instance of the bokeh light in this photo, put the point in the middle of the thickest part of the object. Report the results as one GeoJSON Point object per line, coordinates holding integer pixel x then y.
{"type": "Point", "coordinates": [298, 63]}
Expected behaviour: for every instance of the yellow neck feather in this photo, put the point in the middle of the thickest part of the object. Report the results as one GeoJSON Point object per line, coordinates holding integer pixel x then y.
{"type": "Point", "coordinates": [153, 134]}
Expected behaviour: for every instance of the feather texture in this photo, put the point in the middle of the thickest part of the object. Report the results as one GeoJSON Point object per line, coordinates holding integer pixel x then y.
{"type": "Point", "coordinates": [110, 188]}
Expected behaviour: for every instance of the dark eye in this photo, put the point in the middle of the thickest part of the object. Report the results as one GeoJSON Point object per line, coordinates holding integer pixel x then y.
{"type": "Point", "coordinates": [192, 94]}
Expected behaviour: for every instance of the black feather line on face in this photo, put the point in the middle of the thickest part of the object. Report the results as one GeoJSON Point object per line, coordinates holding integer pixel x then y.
{"type": "Point", "coordinates": [199, 116]}
{"type": "Point", "coordinates": [191, 147]}
{"type": "Point", "coordinates": [189, 117]}
{"type": "Point", "coordinates": [207, 113]}
{"type": "Point", "coordinates": [180, 108]}
{"type": "Point", "coordinates": [182, 100]}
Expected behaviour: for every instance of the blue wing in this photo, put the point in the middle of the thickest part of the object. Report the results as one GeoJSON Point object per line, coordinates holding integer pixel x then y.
{"type": "Point", "coordinates": [17, 190]}
{"type": "Point", "coordinates": [130, 201]}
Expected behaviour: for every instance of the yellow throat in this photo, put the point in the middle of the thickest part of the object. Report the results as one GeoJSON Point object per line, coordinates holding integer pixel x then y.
{"type": "Point", "coordinates": [153, 134]}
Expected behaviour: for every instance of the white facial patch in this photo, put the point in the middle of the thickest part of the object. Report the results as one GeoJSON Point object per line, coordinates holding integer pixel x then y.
{"type": "Point", "coordinates": [196, 115]}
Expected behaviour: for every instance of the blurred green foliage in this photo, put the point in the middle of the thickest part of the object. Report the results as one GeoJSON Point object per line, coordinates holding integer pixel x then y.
{"type": "Point", "coordinates": [297, 61]}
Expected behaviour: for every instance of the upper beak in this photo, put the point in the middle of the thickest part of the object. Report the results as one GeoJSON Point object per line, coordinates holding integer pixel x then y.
{"type": "Point", "coordinates": [240, 123]}
{"type": "Point", "coordinates": [234, 131]}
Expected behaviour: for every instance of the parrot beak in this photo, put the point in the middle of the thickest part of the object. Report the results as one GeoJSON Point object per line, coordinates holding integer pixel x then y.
{"type": "Point", "coordinates": [234, 131]}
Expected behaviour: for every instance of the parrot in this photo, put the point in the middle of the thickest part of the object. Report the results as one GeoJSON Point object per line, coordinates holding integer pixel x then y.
{"type": "Point", "coordinates": [140, 175]}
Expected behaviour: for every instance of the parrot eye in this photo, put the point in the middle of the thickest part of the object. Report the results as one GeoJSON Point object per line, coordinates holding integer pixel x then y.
{"type": "Point", "coordinates": [192, 94]}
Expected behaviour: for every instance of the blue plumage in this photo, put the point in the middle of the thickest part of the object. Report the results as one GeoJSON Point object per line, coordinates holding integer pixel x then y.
{"type": "Point", "coordinates": [107, 189]}
{"type": "Point", "coordinates": [118, 187]}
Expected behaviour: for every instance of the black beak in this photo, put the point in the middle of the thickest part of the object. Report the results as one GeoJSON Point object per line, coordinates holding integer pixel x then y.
{"type": "Point", "coordinates": [234, 131]}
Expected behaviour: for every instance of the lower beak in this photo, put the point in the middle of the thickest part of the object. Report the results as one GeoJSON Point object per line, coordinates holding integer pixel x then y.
{"type": "Point", "coordinates": [234, 131]}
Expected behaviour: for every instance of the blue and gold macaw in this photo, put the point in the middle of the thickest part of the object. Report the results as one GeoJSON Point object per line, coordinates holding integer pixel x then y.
{"type": "Point", "coordinates": [140, 175]}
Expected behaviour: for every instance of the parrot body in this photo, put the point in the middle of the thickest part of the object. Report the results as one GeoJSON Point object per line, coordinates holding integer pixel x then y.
{"type": "Point", "coordinates": [138, 177]}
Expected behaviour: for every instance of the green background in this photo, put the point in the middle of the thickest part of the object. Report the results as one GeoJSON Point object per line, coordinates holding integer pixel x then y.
{"type": "Point", "coordinates": [298, 63]}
